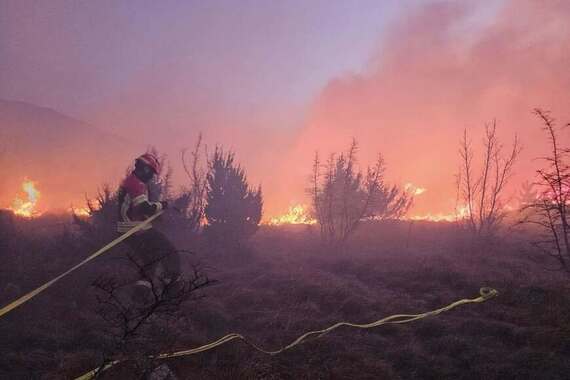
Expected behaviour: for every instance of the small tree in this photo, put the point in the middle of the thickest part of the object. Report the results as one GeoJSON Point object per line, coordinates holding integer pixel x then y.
{"type": "Point", "coordinates": [192, 200]}
{"type": "Point", "coordinates": [482, 193]}
{"type": "Point", "coordinates": [343, 196]}
{"type": "Point", "coordinates": [549, 208]}
{"type": "Point", "coordinates": [233, 210]}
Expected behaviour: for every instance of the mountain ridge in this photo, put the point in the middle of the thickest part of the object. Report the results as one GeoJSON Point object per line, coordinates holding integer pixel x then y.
{"type": "Point", "coordinates": [68, 157]}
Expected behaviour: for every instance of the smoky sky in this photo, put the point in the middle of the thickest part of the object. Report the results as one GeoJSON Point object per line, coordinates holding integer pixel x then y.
{"type": "Point", "coordinates": [85, 58]}
{"type": "Point", "coordinates": [444, 68]}
{"type": "Point", "coordinates": [276, 81]}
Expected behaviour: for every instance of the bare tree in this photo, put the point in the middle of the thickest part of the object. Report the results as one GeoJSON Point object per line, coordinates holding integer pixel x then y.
{"type": "Point", "coordinates": [482, 192]}
{"type": "Point", "coordinates": [343, 196]}
{"type": "Point", "coordinates": [192, 200]}
{"type": "Point", "coordinates": [549, 209]}
{"type": "Point", "coordinates": [131, 319]}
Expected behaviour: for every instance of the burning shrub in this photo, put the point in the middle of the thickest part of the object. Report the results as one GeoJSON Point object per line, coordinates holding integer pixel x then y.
{"type": "Point", "coordinates": [233, 209]}
{"type": "Point", "coordinates": [27, 207]}
{"type": "Point", "coordinates": [346, 196]}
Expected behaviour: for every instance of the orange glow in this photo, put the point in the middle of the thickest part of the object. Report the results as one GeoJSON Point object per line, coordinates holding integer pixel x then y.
{"type": "Point", "coordinates": [430, 74]}
{"type": "Point", "coordinates": [27, 208]}
{"type": "Point", "coordinates": [297, 214]}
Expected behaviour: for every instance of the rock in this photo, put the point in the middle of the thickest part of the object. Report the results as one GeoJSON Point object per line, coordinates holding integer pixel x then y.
{"type": "Point", "coordinates": [162, 372]}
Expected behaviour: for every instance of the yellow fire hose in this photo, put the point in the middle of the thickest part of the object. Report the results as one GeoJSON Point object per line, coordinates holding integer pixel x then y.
{"type": "Point", "coordinates": [485, 294]}
{"type": "Point", "coordinates": [11, 306]}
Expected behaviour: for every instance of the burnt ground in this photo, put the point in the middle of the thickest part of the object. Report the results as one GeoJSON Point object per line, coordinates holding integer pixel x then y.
{"type": "Point", "coordinates": [285, 284]}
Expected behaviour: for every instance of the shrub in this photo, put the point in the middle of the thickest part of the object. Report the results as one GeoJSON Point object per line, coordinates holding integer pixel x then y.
{"type": "Point", "coordinates": [343, 196]}
{"type": "Point", "coordinates": [233, 209]}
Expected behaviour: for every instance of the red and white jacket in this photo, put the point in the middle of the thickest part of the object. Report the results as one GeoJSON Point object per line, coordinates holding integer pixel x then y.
{"type": "Point", "coordinates": [132, 194]}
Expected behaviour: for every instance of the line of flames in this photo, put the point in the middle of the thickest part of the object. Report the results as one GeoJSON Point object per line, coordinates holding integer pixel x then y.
{"type": "Point", "coordinates": [460, 213]}
{"type": "Point", "coordinates": [297, 214]}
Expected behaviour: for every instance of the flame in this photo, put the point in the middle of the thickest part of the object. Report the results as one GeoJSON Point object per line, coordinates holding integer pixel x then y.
{"type": "Point", "coordinates": [297, 214]}
{"type": "Point", "coordinates": [461, 212]}
{"type": "Point", "coordinates": [83, 211]}
{"type": "Point", "coordinates": [27, 207]}
{"type": "Point", "coordinates": [413, 189]}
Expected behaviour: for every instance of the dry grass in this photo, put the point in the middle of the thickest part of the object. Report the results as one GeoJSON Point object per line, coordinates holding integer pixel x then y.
{"type": "Point", "coordinates": [286, 285]}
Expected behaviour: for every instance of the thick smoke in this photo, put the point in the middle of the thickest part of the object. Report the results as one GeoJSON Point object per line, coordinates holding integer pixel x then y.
{"type": "Point", "coordinates": [444, 68]}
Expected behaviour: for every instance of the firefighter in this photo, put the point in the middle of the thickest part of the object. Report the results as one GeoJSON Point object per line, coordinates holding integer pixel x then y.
{"type": "Point", "coordinates": [156, 255]}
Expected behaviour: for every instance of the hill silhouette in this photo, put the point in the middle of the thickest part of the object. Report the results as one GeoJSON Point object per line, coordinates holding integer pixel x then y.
{"type": "Point", "coordinates": [66, 157]}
